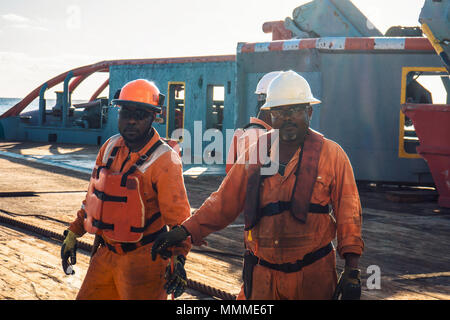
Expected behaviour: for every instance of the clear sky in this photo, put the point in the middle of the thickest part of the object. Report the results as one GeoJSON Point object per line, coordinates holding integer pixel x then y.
{"type": "Point", "coordinates": [43, 38]}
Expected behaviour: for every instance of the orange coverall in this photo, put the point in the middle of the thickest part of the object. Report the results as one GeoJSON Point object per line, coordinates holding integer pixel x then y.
{"type": "Point", "coordinates": [281, 238]}
{"type": "Point", "coordinates": [133, 275]}
{"type": "Point", "coordinates": [243, 139]}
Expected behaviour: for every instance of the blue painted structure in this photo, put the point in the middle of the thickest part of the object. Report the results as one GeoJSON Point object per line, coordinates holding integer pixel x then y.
{"type": "Point", "coordinates": [435, 21]}
{"type": "Point", "coordinates": [198, 75]}
{"type": "Point", "coordinates": [358, 80]}
{"type": "Point", "coordinates": [330, 18]}
{"type": "Point", "coordinates": [360, 93]}
{"type": "Point", "coordinates": [436, 14]}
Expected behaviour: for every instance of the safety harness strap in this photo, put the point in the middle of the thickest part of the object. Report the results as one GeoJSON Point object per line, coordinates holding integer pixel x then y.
{"type": "Point", "coordinates": [108, 163]}
{"type": "Point", "coordinates": [103, 226]}
{"type": "Point", "coordinates": [148, 222]}
{"type": "Point", "coordinates": [275, 208]}
{"type": "Point", "coordinates": [100, 224]}
{"type": "Point", "coordinates": [308, 259]}
{"type": "Point", "coordinates": [138, 163]}
{"type": "Point", "coordinates": [122, 248]}
{"type": "Point", "coordinates": [111, 157]}
{"type": "Point", "coordinates": [106, 197]}
{"type": "Point", "coordinates": [306, 175]}
{"type": "Point", "coordinates": [145, 157]}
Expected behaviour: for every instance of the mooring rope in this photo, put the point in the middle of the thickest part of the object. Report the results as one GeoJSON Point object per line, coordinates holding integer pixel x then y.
{"type": "Point", "coordinates": [201, 287]}
{"type": "Point", "coordinates": [44, 217]}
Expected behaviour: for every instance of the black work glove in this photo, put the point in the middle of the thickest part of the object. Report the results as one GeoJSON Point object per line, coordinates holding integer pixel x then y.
{"type": "Point", "coordinates": [69, 250]}
{"type": "Point", "coordinates": [349, 285]}
{"type": "Point", "coordinates": [176, 280]}
{"type": "Point", "coordinates": [168, 239]}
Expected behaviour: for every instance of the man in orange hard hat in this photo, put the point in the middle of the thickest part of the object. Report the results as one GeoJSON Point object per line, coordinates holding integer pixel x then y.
{"type": "Point", "coordinates": [289, 226]}
{"type": "Point", "coordinates": [258, 125]}
{"type": "Point", "coordinates": [136, 190]}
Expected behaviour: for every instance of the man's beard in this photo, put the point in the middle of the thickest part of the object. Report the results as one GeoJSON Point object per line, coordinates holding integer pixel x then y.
{"type": "Point", "coordinates": [294, 131]}
{"type": "Point", "coordinates": [135, 138]}
{"type": "Point", "coordinates": [289, 132]}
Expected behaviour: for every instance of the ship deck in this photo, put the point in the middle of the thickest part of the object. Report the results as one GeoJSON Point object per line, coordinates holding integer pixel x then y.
{"type": "Point", "coordinates": [404, 230]}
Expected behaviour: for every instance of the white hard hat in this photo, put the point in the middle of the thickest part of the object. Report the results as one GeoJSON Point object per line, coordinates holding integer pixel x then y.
{"type": "Point", "coordinates": [261, 87]}
{"type": "Point", "coordinates": [288, 88]}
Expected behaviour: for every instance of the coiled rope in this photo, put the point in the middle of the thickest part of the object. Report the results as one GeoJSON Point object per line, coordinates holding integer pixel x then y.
{"type": "Point", "coordinates": [203, 288]}
{"type": "Point", "coordinates": [44, 217]}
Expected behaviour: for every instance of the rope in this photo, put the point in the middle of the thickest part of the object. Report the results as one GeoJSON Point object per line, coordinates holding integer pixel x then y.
{"type": "Point", "coordinates": [42, 231]}
{"type": "Point", "coordinates": [44, 217]}
{"type": "Point", "coordinates": [40, 216]}
{"type": "Point", "coordinates": [214, 292]}
{"type": "Point", "coordinates": [13, 194]}
{"type": "Point", "coordinates": [211, 291]}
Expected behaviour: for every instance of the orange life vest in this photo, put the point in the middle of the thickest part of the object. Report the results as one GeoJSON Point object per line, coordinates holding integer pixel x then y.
{"type": "Point", "coordinates": [114, 201]}
{"type": "Point", "coordinates": [306, 174]}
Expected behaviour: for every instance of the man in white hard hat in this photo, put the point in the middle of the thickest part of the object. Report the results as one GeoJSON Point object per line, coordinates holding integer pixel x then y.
{"type": "Point", "coordinates": [289, 226]}
{"type": "Point", "coordinates": [258, 125]}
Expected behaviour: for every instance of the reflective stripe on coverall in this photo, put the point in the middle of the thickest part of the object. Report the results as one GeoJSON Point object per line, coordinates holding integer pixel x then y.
{"type": "Point", "coordinates": [134, 275]}
{"type": "Point", "coordinates": [283, 239]}
{"type": "Point", "coordinates": [242, 139]}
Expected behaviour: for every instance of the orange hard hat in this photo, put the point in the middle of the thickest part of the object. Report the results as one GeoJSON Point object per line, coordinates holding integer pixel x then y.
{"type": "Point", "coordinates": [141, 94]}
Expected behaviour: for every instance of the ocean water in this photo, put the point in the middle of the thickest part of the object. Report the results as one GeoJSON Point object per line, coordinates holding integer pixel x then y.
{"type": "Point", "coordinates": [7, 103]}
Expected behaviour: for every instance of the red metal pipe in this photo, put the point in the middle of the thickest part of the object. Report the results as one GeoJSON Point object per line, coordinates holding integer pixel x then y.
{"type": "Point", "coordinates": [77, 81]}
{"type": "Point", "coordinates": [104, 66]}
{"type": "Point", "coordinates": [278, 30]}
{"type": "Point", "coordinates": [18, 108]}
{"type": "Point", "coordinates": [99, 90]}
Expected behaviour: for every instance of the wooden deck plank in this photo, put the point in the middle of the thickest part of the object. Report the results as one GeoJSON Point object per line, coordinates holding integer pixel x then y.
{"type": "Point", "coordinates": [406, 240]}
